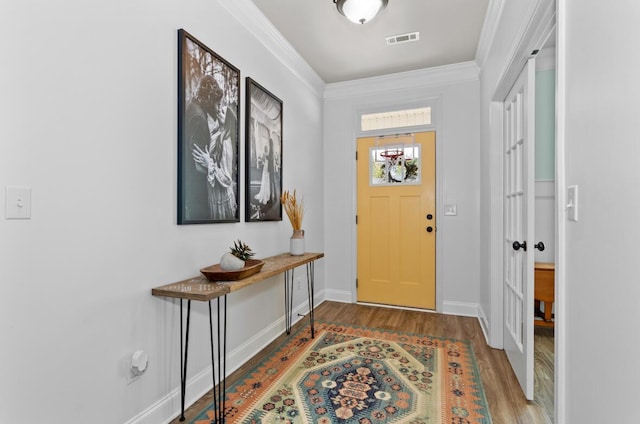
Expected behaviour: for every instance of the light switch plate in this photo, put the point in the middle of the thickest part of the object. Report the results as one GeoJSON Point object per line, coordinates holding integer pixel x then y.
{"type": "Point", "coordinates": [451, 209]}
{"type": "Point", "coordinates": [572, 203]}
{"type": "Point", "coordinates": [18, 203]}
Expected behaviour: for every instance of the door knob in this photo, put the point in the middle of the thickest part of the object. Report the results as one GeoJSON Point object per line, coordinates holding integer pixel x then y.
{"type": "Point", "coordinates": [539, 246]}
{"type": "Point", "coordinates": [429, 229]}
{"type": "Point", "coordinates": [517, 245]}
{"type": "Point", "coordinates": [429, 217]}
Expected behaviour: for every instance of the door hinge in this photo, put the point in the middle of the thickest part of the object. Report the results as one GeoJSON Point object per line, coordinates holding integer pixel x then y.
{"type": "Point", "coordinates": [356, 219]}
{"type": "Point", "coordinates": [356, 155]}
{"type": "Point", "coordinates": [356, 283]}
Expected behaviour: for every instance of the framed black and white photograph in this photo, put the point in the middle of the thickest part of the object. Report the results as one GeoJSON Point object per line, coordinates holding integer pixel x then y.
{"type": "Point", "coordinates": [208, 128]}
{"type": "Point", "coordinates": [263, 149]}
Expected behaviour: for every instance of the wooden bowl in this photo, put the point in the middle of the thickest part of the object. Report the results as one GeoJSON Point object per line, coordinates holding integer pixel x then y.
{"type": "Point", "coordinates": [215, 273]}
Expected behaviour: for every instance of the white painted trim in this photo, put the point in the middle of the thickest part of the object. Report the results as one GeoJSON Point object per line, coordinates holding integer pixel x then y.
{"type": "Point", "coordinates": [342, 296]}
{"type": "Point", "coordinates": [414, 80]}
{"type": "Point", "coordinates": [532, 37]}
{"type": "Point", "coordinates": [441, 137]}
{"type": "Point", "coordinates": [489, 29]}
{"type": "Point", "coordinates": [561, 329]}
{"type": "Point", "coordinates": [251, 18]}
{"type": "Point", "coordinates": [403, 308]}
{"type": "Point", "coordinates": [496, 323]}
{"type": "Point", "coordinates": [484, 324]}
{"type": "Point", "coordinates": [464, 309]}
{"type": "Point", "coordinates": [355, 126]}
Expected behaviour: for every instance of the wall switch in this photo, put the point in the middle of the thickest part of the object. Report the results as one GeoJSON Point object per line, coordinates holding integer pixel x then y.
{"type": "Point", "coordinates": [572, 203]}
{"type": "Point", "coordinates": [451, 209]}
{"type": "Point", "coordinates": [18, 204]}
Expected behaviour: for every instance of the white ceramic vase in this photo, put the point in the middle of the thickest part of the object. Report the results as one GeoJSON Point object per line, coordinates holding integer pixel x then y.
{"type": "Point", "coordinates": [296, 243]}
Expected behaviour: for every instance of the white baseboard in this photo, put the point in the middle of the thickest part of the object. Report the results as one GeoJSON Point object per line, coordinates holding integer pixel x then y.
{"type": "Point", "coordinates": [342, 296]}
{"type": "Point", "coordinates": [460, 308]}
{"type": "Point", "coordinates": [484, 324]}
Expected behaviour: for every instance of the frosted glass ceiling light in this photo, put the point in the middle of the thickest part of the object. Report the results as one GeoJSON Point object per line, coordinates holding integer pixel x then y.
{"type": "Point", "coordinates": [360, 11]}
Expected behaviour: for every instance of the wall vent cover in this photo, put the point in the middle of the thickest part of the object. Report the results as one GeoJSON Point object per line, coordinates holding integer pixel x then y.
{"type": "Point", "coordinates": [403, 38]}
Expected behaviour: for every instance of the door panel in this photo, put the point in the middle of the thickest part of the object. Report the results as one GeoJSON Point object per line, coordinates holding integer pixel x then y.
{"type": "Point", "coordinates": [519, 142]}
{"type": "Point", "coordinates": [396, 254]}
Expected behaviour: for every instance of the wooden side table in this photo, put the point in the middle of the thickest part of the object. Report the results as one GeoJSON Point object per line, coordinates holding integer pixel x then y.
{"type": "Point", "coordinates": [200, 289]}
{"type": "Point", "coordinates": [544, 292]}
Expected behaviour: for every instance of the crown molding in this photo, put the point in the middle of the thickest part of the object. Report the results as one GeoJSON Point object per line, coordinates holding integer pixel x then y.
{"type": "Point", "coordinates": [419, 79]}
{"type": "Point", "coordinates": [252, 19]}
{"type": "Point", "coordinates": [532, 38]}
{"type": "Point", "coordinates": [489, 29]}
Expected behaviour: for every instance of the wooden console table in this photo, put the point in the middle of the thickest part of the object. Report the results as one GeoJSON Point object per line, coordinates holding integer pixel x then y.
{"type": "Point", "coordinates": [200, 289]}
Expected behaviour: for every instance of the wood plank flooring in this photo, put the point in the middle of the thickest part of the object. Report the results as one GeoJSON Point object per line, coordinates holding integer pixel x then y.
{"type": "Point", "coordinates": [506, 401]}
{"type": "Point", "coordinates": [544, 369]}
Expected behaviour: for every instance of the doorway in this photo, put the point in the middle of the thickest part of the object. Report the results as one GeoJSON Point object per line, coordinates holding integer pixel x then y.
{"type": "Point", "coordinates": [535, 277]}
{"type": "Point", "coordinates": [545, 229]}
{"type": "Point", "coordinates": [396, 220]}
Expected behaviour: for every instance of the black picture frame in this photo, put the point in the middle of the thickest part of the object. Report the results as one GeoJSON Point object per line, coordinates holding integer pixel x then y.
{"type": "Point", "coordinates": [208, 135]}
{"type": "Point", "coordinates": [263, 154]}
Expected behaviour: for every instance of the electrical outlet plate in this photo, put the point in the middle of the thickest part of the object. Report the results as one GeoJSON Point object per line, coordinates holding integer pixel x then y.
{"type": "Point", "coordinates": [18, 203]}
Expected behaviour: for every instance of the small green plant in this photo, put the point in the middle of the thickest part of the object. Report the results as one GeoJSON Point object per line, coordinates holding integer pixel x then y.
{"type": "Point", "coordinates": [241, 251]}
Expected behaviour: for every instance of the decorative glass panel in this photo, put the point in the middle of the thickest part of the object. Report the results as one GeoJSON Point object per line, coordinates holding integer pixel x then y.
{"type": "Point", "coordinates": [394, 164]}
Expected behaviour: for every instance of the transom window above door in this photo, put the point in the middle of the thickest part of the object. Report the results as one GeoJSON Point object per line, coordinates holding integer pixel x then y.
{"type": "Point", "coordinates": [396, 119]}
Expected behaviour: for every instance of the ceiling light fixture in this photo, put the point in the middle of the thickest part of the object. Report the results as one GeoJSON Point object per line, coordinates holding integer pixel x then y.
{"type": "Point", "coordinates": [360, 11]}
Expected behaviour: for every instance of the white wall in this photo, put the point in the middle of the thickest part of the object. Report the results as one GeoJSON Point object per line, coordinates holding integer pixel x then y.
{"type": "Point", "coordinates": [455, 91]}
{"type": "Point", "coordinates": [599, 82]}
{"type": "Point", "coordinates": [88, 121]}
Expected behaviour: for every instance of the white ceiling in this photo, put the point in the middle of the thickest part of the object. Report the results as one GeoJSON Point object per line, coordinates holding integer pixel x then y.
{"type": "Point", "coordinates": [339, 50]}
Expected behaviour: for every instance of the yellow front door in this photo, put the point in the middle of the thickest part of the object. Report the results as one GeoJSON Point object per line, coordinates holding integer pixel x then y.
{"type": "Point", "coordinates": [396, 220]}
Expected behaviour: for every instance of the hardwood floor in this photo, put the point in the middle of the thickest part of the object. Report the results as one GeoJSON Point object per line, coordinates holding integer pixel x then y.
{"type": "Point", "coordinates": [544, 369]}
{"type": "Point", "coordinates": [506, 401]}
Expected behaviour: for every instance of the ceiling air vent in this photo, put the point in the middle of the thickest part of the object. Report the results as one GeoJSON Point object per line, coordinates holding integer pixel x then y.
{"type": "Point", "coordinates": [403, 38]}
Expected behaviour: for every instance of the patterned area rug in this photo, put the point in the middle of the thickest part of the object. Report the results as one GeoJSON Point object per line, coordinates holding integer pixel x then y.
{"type": "Point", "coordinates": [359, 375]}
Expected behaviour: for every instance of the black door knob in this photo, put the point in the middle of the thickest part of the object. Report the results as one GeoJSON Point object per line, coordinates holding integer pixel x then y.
{"type": "Point", "coordinates": [517, 245]}
{"type": "Point", "coordinates": [429, 229]}
{"type": "Point", "coordinates": [429, 217]}
{"type": "Point", "coordinates": [539, 246]}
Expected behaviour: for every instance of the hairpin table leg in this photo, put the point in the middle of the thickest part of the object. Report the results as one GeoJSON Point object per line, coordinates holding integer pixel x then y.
{"type": "Point", "coordinates": [219, 389]}
{"type": "Point", "coordinates": [183, 357]}
{"type": "Point", "coordinates": [310, 294]}
{"type": "Point", "coordinates": [288, 298]}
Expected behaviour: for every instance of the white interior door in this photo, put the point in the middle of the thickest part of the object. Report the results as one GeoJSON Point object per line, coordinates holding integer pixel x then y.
{"type": "Point", "coordinates": [519, 155]}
